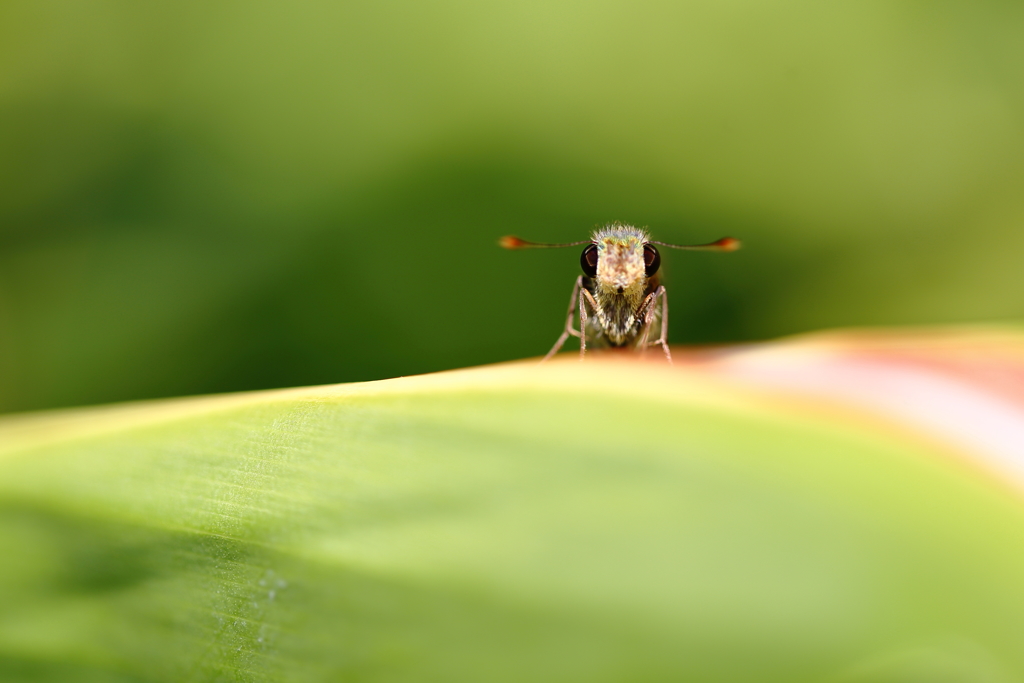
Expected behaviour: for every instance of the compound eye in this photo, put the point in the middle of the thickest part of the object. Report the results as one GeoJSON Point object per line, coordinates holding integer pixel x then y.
{"type": "Point", "coordinates": [588, 261]}
{"type": "Point", "coordinates": [652, 260]}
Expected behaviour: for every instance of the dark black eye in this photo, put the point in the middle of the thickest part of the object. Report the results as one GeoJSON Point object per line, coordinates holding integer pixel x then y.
{"type": "Point", "coordinates": [588, 261]}
{"type": "Point", "coordinates": [652, 260]}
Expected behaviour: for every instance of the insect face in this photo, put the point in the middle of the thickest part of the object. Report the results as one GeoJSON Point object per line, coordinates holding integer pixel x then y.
{"type": "Point", "coordinates": [620, 260]}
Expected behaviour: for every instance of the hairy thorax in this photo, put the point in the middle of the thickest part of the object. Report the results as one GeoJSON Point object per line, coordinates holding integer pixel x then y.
{"type": "Point", "coordinates": [616, 317]}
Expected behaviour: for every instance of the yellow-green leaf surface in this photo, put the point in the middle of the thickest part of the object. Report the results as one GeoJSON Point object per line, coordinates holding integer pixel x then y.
{"type": "Point", "coordinates": [613, 520]}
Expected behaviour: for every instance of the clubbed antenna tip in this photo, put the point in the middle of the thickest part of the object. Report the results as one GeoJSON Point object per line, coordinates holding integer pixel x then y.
{"type": "Point", "coordinates": [729, 244]}
{"type": "Point", "coordinates": [512, 242]}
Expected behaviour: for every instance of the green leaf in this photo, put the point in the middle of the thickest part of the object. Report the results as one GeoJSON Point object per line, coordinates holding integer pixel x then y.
{"type": "Point", "coordinates": [607, 521]}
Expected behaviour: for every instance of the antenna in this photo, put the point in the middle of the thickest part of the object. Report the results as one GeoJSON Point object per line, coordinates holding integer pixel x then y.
{"type": "Point", "coordinates": [724, 244]}
{"type": "Point", "coordinates": [513, 242]}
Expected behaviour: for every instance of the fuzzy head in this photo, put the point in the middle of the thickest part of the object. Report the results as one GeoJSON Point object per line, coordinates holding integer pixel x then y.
{"type": "Point", "coordinates": [620, 259]}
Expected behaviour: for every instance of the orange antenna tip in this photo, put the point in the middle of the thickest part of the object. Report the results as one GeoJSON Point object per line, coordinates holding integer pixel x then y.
{"type": "Point", "coordinates": [512, 242]}
{"type": "Point", "coordinates": [728, 244]}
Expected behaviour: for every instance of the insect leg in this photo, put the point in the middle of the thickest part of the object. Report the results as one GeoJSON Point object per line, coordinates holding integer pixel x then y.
{"type": "Point", "coordinates": [649, 308]}
{"type": "Point", "coordinates": [583, 324]}
{"type": "Point", "coordinates": [585, 298]}
{"type": "Point", "coordinates": [663, 337]}
{"type": "Point", "coordinates": [645, 313]}
{"type": "Point", "coordinates": [568, 322]}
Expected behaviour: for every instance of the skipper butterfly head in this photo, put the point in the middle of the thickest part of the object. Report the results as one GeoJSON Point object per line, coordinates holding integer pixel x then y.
{"type": "Point", "coordinates": [618, 295]}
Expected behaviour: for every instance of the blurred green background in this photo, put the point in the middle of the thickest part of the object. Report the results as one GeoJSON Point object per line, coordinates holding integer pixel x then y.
{"type": "Point", "coordinates": [211, 196]}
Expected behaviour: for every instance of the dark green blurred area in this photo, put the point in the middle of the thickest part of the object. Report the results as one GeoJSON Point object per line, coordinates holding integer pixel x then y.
{"type": "Point", "coordinates": [203, 197]}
